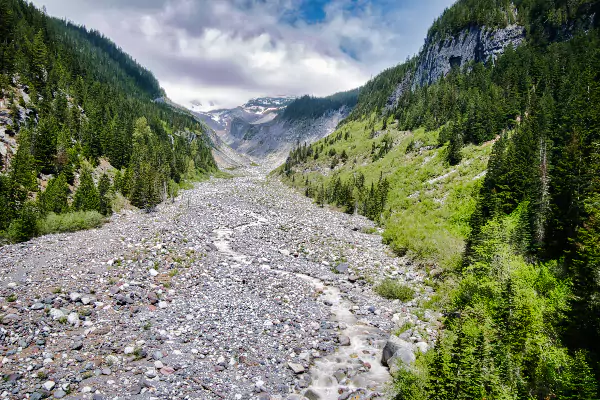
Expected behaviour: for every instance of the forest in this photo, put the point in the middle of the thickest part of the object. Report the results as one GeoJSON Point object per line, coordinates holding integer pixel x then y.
{"type": "Point", "coordinates": [521, 302]}
{"type": "Point", "coordinates": [314, 107]}
{"type": "Point", "coordinates": [76, 102]}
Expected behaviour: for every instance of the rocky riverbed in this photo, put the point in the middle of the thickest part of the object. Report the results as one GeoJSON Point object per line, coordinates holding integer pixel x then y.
{"type": "Point", "coordinates": [240, 289]}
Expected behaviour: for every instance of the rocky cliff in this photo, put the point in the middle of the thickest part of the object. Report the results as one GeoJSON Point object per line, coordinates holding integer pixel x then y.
{"type": "Point", "coordinates": [273, 140]}
{"type": "Point", "coordinates": [477, 44]}
{"type": "Point", "coordinates": [439, 56]}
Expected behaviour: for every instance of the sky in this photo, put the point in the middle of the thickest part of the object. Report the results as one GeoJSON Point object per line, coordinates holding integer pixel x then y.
{"type": "Point", "coordinates": [228, 51]}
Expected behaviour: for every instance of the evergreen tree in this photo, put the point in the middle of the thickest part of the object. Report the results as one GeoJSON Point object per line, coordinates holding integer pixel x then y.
{"type": "Point", "coordinates": [55, 197]}
{"type": "Point", "coordinates": [86, 196]}
{"type": "Point", "coordinates": [103, 192]}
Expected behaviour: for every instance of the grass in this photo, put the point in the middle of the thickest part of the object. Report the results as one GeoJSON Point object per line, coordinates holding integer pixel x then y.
{"type": "Point", "coordinates": [394, 290]}
{"type": "Point", "coordinates": [70, 222]}
{"type": "Point", "coordinates": [430, 202]}
{"type": "Point", "coordinates": [222, 175]}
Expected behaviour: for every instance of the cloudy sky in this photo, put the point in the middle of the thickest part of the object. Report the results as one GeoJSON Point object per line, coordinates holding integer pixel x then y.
{"type": "Point", "coordinates": [228, 51]}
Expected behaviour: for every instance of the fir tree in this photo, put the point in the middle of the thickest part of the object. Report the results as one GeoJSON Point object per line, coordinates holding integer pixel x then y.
{"type": "Point", "coordinates": [55, 197]}
{"type": "Point", "coordinates": [103, 191]}
{"type": "Point", "coordinates": [86, 196]}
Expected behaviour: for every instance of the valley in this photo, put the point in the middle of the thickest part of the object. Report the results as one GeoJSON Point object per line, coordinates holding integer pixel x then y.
{"type": "Point", "coordinates": [240, 289]}
{"type": "Point", "coordinates": [431, 234]}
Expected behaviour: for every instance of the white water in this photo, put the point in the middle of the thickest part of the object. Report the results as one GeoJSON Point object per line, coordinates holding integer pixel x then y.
{"type": "Point", "coordinates": [324, 383]}
{"type": "Point", "coordinates": [361, 349]}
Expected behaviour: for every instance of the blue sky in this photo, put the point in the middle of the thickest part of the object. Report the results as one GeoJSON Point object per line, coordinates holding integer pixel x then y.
{"type": "Point", "coordinates": [227, 51]}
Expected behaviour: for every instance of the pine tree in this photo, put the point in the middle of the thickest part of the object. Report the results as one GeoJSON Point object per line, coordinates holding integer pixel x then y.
{"type": "Point", "coordinates": [55, 197]}
{"type": "Point", "coordinates": [103, 191]}
{"type": "Point", "coordinates": [86, 197]}
{"type": "Point", "coordinates": [25, 227]}
{"type": "Point", "coordinates": [39, 59]}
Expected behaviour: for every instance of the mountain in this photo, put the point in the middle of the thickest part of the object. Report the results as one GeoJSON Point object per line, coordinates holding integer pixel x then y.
{"type": "Point", "coordinates": [480, 158]}
{"type": "Point", "coordinates": [79, 130]}
{"type": "Point", "coordinates": [269, 127]}
{"type": "Point", "coordinates": [251, 112]}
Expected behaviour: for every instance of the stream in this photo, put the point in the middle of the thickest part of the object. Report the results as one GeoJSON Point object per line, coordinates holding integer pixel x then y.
{"type": "Point", "coordinates": [357, 362]}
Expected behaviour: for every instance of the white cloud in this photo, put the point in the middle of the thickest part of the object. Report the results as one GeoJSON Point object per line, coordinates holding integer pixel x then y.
{"type": "Point", "coordinates": [230, 50]}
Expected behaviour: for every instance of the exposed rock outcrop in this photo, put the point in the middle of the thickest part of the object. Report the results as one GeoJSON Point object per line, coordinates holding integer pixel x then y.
{"type": "Point", "coordinates": [478, 44]}
{"type": "Point", "coordinates": [275, 139]}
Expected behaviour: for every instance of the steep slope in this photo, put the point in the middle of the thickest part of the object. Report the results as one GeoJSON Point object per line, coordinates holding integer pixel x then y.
{"type": "Point", "coordinates": [78, 124]}
{"type": "Point", "coordinates": [480, 158]}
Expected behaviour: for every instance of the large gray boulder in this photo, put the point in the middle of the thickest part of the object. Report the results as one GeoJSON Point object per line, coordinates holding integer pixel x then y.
{"type": "Point", "coordinates": [397, 350]}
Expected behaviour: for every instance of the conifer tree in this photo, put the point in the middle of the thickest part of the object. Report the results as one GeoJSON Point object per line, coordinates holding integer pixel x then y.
{"type": "Point", "coordinates": [55, 197]}
{"type": "Point", "coordinates": [103, 192]}
{"type": "Point", "coordinates": [86, 196]}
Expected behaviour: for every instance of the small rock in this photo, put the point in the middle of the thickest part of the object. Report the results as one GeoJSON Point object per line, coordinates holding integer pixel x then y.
{"type": "Point", "coordinates": [37, 306]}
{"type": "Point", "coordinates": [73, 319]}
{"type": "Point", "coordinates": [55, 313]}
{"type": "Point", "coordinates": [167, 371]}
{"type": "Point", "coordinates": [342, 268]}
{"type": "Point", "coordinates": [312, 395]}
{"type": "Point", "coordinates": [422, 346]}
{"type": "Point", "coordinates": [78, 345]}
{"type": "Point", "coordinates": [59, 394]}
{"type": "Point", "coordinates": [75, 296]}
{"type": "Point", "coordinates": [49, 385]}
{"type": "Point", "coordinates": [344, 340]}
{"type": "Point", "coordinates": [10, 318]}
{"type": "Point", "coordinates": [297, 368]}
{"type": "Point", "coordinates": [150, 373]}
{"type": "Point", "coordinates": [153, 272]}
{"type": "Point", "coordinates": [152, 298]}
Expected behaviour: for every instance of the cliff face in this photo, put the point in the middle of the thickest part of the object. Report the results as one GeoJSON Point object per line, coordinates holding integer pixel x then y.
{"type": "Point", "coordinates": [474, 44]}
{"type": "Point", "coordinates": [273, 140]}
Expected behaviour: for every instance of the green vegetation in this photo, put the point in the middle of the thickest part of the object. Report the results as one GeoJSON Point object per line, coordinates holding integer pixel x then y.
{"type": "Point", "coordinates": [79, 103]}
{"type": "Point", "coordinates": [70, 222]}
{"type": "Point", "coordinates": [518, 243]}
{"type": "Point", "coordinates": [314, 107]}
{"type": "Point", "coordinates": [545, 20]}
{"type": "Point", "coordinates": [392, 289]}
{"type": "Point", "coordinates": [428, 203]}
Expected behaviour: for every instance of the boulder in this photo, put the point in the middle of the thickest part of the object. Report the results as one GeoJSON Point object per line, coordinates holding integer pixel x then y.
{"type": "Point", "coordinates": [396, 350]}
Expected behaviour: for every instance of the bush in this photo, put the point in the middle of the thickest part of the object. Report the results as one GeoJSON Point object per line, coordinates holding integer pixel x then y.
{"type": "Point", "coordinates": [70, 222]}
{"type": "Point", "coordinates": [24, 227]}
{"type": "Point", "coordinates": [392, 289]}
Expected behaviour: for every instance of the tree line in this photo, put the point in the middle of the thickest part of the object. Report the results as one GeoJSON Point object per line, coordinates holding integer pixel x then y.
{"type": "Point", "coordinates": [75, 100]}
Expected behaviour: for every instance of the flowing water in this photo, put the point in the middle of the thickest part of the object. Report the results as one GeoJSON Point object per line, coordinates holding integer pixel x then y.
{"type": "Point", "coordinates": [364, 349]}
{"type": "Point", "coordinates": [343, 367]}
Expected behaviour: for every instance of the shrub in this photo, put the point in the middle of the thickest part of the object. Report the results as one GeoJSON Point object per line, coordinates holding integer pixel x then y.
{"type": "Point", "coordinates": [70, 222]}
{"type": "Point", "coordinates": [25, 227]}
{"type": "Point", "coordinates": [392, 289]}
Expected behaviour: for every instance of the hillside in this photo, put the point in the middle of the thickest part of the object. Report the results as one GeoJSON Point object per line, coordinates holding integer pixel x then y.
{"type": "Point", "coordinates": [479, 158]}
{"type": "Point", "coordinates": [79, 129]}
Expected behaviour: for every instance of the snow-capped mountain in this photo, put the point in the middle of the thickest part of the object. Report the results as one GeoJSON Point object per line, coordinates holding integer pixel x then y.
{"type": "Point", "coordinates": [258, 110]}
